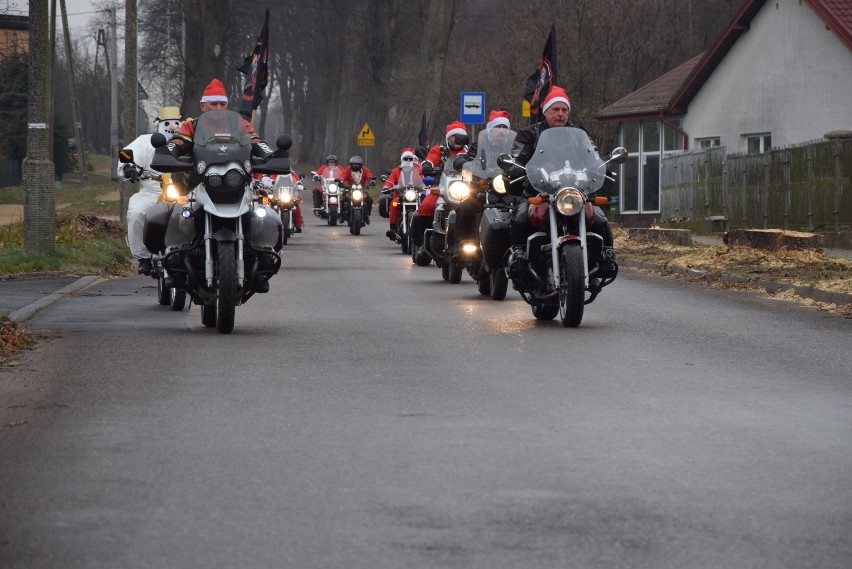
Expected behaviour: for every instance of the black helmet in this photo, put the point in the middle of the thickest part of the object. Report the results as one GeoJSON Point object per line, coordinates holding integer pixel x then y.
{"type": "Point", "coordinates": [356, 160]}
{"type": "Point", "coordinates": [331, 157]}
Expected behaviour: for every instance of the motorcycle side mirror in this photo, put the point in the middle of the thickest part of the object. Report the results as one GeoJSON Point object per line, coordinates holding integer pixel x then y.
{"type": "Point", "coordinates": [284, 142]}
{"type": "Point", "coordinates": [384, 177]}
{"type": "Point", "coordinates": [373, 184]}
{"type": "Point", "coordinates": [462, 139]}
{"type": "Point", "coordinates": [420, 152]}
{"type": "Point", "coordinates": [125, 156]}
{"type": "Point", "coordinates": [619, 155]}
{"type": "Point", "coordinates": [458, 162]}
{"type": "Point", "coordinates": [158, 140]}
{"type": "Point", "coordinates": [505, 161]}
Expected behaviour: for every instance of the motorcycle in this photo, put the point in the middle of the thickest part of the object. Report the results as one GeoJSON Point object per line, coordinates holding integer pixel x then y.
{"type": "Point", "coordinates": [352, 202]}
{"type": "Point", "coordinates": [330, 199]}
{"type": "Point", "coordinates": [286, 196]}
{"type": "Point", "coordinates": [410, 187]}
{"type": "Point", "coordinates": [487, 203]}
{"type": "Point", "coordinates": [441, 241]}
{"type": "Point", "coordinates": [166, 295]}
{"type": "Point", "coordinates": [223, 245]}
{"type": "Point", "coordinates": [562, 261]}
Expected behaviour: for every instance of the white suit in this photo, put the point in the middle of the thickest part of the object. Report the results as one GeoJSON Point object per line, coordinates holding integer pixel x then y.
{"type": "Point", "coordinates": [149, 191]}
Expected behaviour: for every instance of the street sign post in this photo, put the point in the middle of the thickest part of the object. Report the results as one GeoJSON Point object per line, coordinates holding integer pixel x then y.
{"type": "Point", "coordinates": [472, 108]}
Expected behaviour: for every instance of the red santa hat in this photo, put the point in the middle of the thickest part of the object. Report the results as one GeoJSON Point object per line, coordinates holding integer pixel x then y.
{"type": "Point", "coordinates": [455, 128]}
{"type": "Point", "coordinates": [498, 118]}
{"type": "Point", "coordinates": [214, 93]}
{"type": "Point", "coordinates": [407, 152]}
{"type": "Point", "coordinates": [556, 95]}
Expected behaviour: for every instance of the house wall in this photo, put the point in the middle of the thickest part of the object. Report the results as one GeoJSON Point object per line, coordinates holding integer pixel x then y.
{"type": "Point", "coordinates": [788, 75]}
{"type": "Point", "coordinates": [13, 41]}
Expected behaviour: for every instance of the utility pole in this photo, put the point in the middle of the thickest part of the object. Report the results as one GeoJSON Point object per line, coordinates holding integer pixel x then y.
{"type": "Point", "coordinates": [131, 92]}
{"type": "Point", "coordinates": [75, 105]}
{"type": "Point", "coordinates": [113, 89]}
{"type": "Point", "coordinates": [39, 206]}
{"type": "Point", "coordinates": [50, 71]}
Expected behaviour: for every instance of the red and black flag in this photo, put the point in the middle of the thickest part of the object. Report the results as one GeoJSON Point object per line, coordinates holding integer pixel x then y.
{"type": "Point", "coordinates": [257, 72]}
{"type": "Point", "coordinates": [540, 82]}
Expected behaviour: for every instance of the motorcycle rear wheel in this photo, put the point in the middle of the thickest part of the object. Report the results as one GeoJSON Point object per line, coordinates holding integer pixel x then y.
{"type": "Point", "coordinates": [177, 298]}
{"type": "Point", "coordinates": [208, 315]}
{"type": "Point", "coordinates": [455, 272]}
{"type": "Point", "coordinates": [445, 271]}
{"type": "Point", "coordinates": [332, 215]}
{"type": "Point", "coordinates": [163, 292]}
{"type": "Point", "coordinates": [226, 297]}
{"type": "Point", "coordinates": [572, 292]}
{"type": "Point", "coordinates": [484, 282]}
{"type": "Point", "coordinates": [546, 312]}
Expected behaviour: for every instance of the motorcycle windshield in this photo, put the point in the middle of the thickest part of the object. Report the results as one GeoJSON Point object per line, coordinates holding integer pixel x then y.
{"type": "Point", "coordinates": [410, 178]}
{"type": "Point", "coordinates": [565, 156]}
{"type": "Point", "coordinates": [491, 144]}
{"type": "Point", "coordinates": [221, 136]}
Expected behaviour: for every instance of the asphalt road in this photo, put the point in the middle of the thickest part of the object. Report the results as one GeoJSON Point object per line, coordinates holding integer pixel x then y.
{"type": "Point", "coordinates": [365, 414]}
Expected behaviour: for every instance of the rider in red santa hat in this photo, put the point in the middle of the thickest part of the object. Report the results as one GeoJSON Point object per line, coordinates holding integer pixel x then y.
{"type": "Point", "coordinates": [406, 173]}
{"type": "Point", "coordinates": [454, 146]}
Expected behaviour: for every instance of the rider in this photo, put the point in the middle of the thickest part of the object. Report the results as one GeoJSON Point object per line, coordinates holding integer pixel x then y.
{"type": "Point", "coordinates": [401, 175]}
{"type": "Point", "coordinates": [291, 179]}
{"type": "Point", "coordinates": [357, 173]}
{"type": "Point", "coordinates": [214, 98]}
{"type": "Point", "coordinates": [330, 171]}
{"type": "Point", "coordinates": [425, 211]}
{"type": "Point", "coordinates": [168, 122]}
{"type": "Point", "coordinates": [439, 153]}
{"type": "Point", "coordinates": [556, 109]}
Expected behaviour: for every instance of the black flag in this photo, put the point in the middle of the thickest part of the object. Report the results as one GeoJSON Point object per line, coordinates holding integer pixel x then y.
{"type": "Point", "coordinates": [422, 138]}
{"type": "Point", "coordinates": [257, 72]}
{"type": "Point", "coordinates": [540, 82]}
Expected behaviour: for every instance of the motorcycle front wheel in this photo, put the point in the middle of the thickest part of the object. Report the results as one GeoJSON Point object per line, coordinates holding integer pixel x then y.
{"type": "Point", "coordinates": [226, 297]}
{"type": "Point", "coordinates": [572, 290]}
{"type": "Point", "coordinates": [163, 292]}
{"type": "Point", "coordinates": [208, 315]}
{"type": "Point", "coordinates": [546, 312]}
{"type": "Point", "coordinates": [355, 222]}
{"type": "Point", "coordinates": [177, 298]}
{"type": "Point", "coordinates": [483, 282]}
{"type": "Point", "coordinates": [499, 283]}
{"type": "Point", "coordinates": [332, 215]}
{"type": "Point", "coordinates": [455, 272]}
{"type": "Point", "coordinates": [285, 227]}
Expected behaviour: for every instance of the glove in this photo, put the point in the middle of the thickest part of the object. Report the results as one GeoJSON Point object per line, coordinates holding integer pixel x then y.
{"type": "Point", "coordinates": [471, 151]}
{"type": "Point", "coordinates": [317, 178]}
{"type": "Point", "coordinates": [131, 173]}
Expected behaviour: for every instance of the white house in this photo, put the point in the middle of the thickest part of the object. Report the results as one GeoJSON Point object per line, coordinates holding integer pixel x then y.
{"type": "Point", "coordinates": [780, 73]}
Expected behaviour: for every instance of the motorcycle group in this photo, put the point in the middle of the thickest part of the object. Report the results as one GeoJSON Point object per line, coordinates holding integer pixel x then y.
{"type": "Point", "coordinates": [216, 205]}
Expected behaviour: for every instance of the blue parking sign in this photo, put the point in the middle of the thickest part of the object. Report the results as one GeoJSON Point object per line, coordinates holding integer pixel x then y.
{"type": "Point", "coordinates": [473, 108]}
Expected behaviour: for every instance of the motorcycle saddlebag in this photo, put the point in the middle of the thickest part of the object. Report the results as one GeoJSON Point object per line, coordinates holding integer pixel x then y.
{"type": "Point", "coordinates": [156, 221]}
{"type": "Point", "coordinates": [494, 235]}
{"type": "Point", "coordinates": [384, 205]}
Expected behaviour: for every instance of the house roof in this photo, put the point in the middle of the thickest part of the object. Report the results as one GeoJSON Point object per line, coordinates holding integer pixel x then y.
{"type": "Point", "coordinates": [10, 22]}
{"type": "Point", "coordinates": [681, 84]}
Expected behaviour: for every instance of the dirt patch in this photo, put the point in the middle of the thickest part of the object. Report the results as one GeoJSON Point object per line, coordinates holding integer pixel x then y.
{"type": "Point", "coordinates": [11, 213]}
{"type": "Point", "coordinates": [109, 196]}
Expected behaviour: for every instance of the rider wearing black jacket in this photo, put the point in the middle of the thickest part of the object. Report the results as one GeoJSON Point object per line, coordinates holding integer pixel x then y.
{"type": "Point", "coordinates": [556, 109]}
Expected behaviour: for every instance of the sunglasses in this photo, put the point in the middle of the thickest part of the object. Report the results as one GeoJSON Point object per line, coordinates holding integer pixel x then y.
{"type": "Point", "coordinates": [408, 159]}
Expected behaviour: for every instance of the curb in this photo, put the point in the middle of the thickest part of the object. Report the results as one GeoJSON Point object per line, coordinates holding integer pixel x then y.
{"type": "Point", "coordinates": [816, 294]}
{"type": "Point", "coordinates": [28, 311]}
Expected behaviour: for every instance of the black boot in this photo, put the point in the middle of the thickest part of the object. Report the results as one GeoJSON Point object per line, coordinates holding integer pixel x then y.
{"type": "Point", "coordinates": [145, 266]}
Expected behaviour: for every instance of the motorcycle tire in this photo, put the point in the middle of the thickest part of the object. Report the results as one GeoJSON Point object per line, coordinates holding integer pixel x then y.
{"type": "Point", "coordinates": [163, 292]}
{"type": "Point", "coordinates": [546, 312]}
{"type": "Point", "coordinates": [445, 271]}
{"type": "Point", "coordinates": [484, 282]}
{"type": "Point", "coordinates": [177, 299]}
{"type": "Point", "coordinates": [285, 227]}
{"type": "Point", "coordinates": [226, 290]}
{"type": "Point", "coordinates": [499, 283]}
{"type": "Point", "coordinates": [355, 223]}
{"type": "Point", "coordinates": [404, 244]}
{"type": "Point", "coordinates": [421, 257]}
{"type": "Point", "coordinates": [572, 292]}
{"type": "Point", "coordinates": [455, 272]}
{"type": "Point", "coordinates": [332, 215]}
{"type": "Point", "coordinates": [208, 315]}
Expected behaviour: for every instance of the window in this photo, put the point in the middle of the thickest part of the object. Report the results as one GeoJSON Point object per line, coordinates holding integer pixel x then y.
{"type": "Point", "coordinates": [709, 142]}
{"type": "Point", "coordinates": [757, 143]}
{"type": "Point", "coordinates": [640, 175]}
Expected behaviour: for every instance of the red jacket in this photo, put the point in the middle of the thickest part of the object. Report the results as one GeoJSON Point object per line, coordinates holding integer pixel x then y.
{"type": "Point", "coordinates": [348, 179]}
{"type": "Point", "coordinates": [434, 155]}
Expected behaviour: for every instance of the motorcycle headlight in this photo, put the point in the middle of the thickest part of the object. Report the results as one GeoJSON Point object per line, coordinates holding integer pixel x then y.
{"type": "Point", "coordinates": [356, 186]}
{"type": "Point", "coordinates": [410, 195]}
{"type": "Point", "coordinates": [172, 194]}
{"type": "Point", "coordinates": [569, 201]}
{"type": "Point", "coordinates": [332, 188]}
{"type": "Point", "coordinates": [285, 195]}
{"type": "Point", "coordinates": [458, 190]}
{"type": "Point", "coordinates": [499, 184]}
{"type": "Point", "coordinates": [214, 181]}
{"type": "Point", "coordinates": [357, 195]}
{"type": "Point", "coordinates": [234, 178]}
